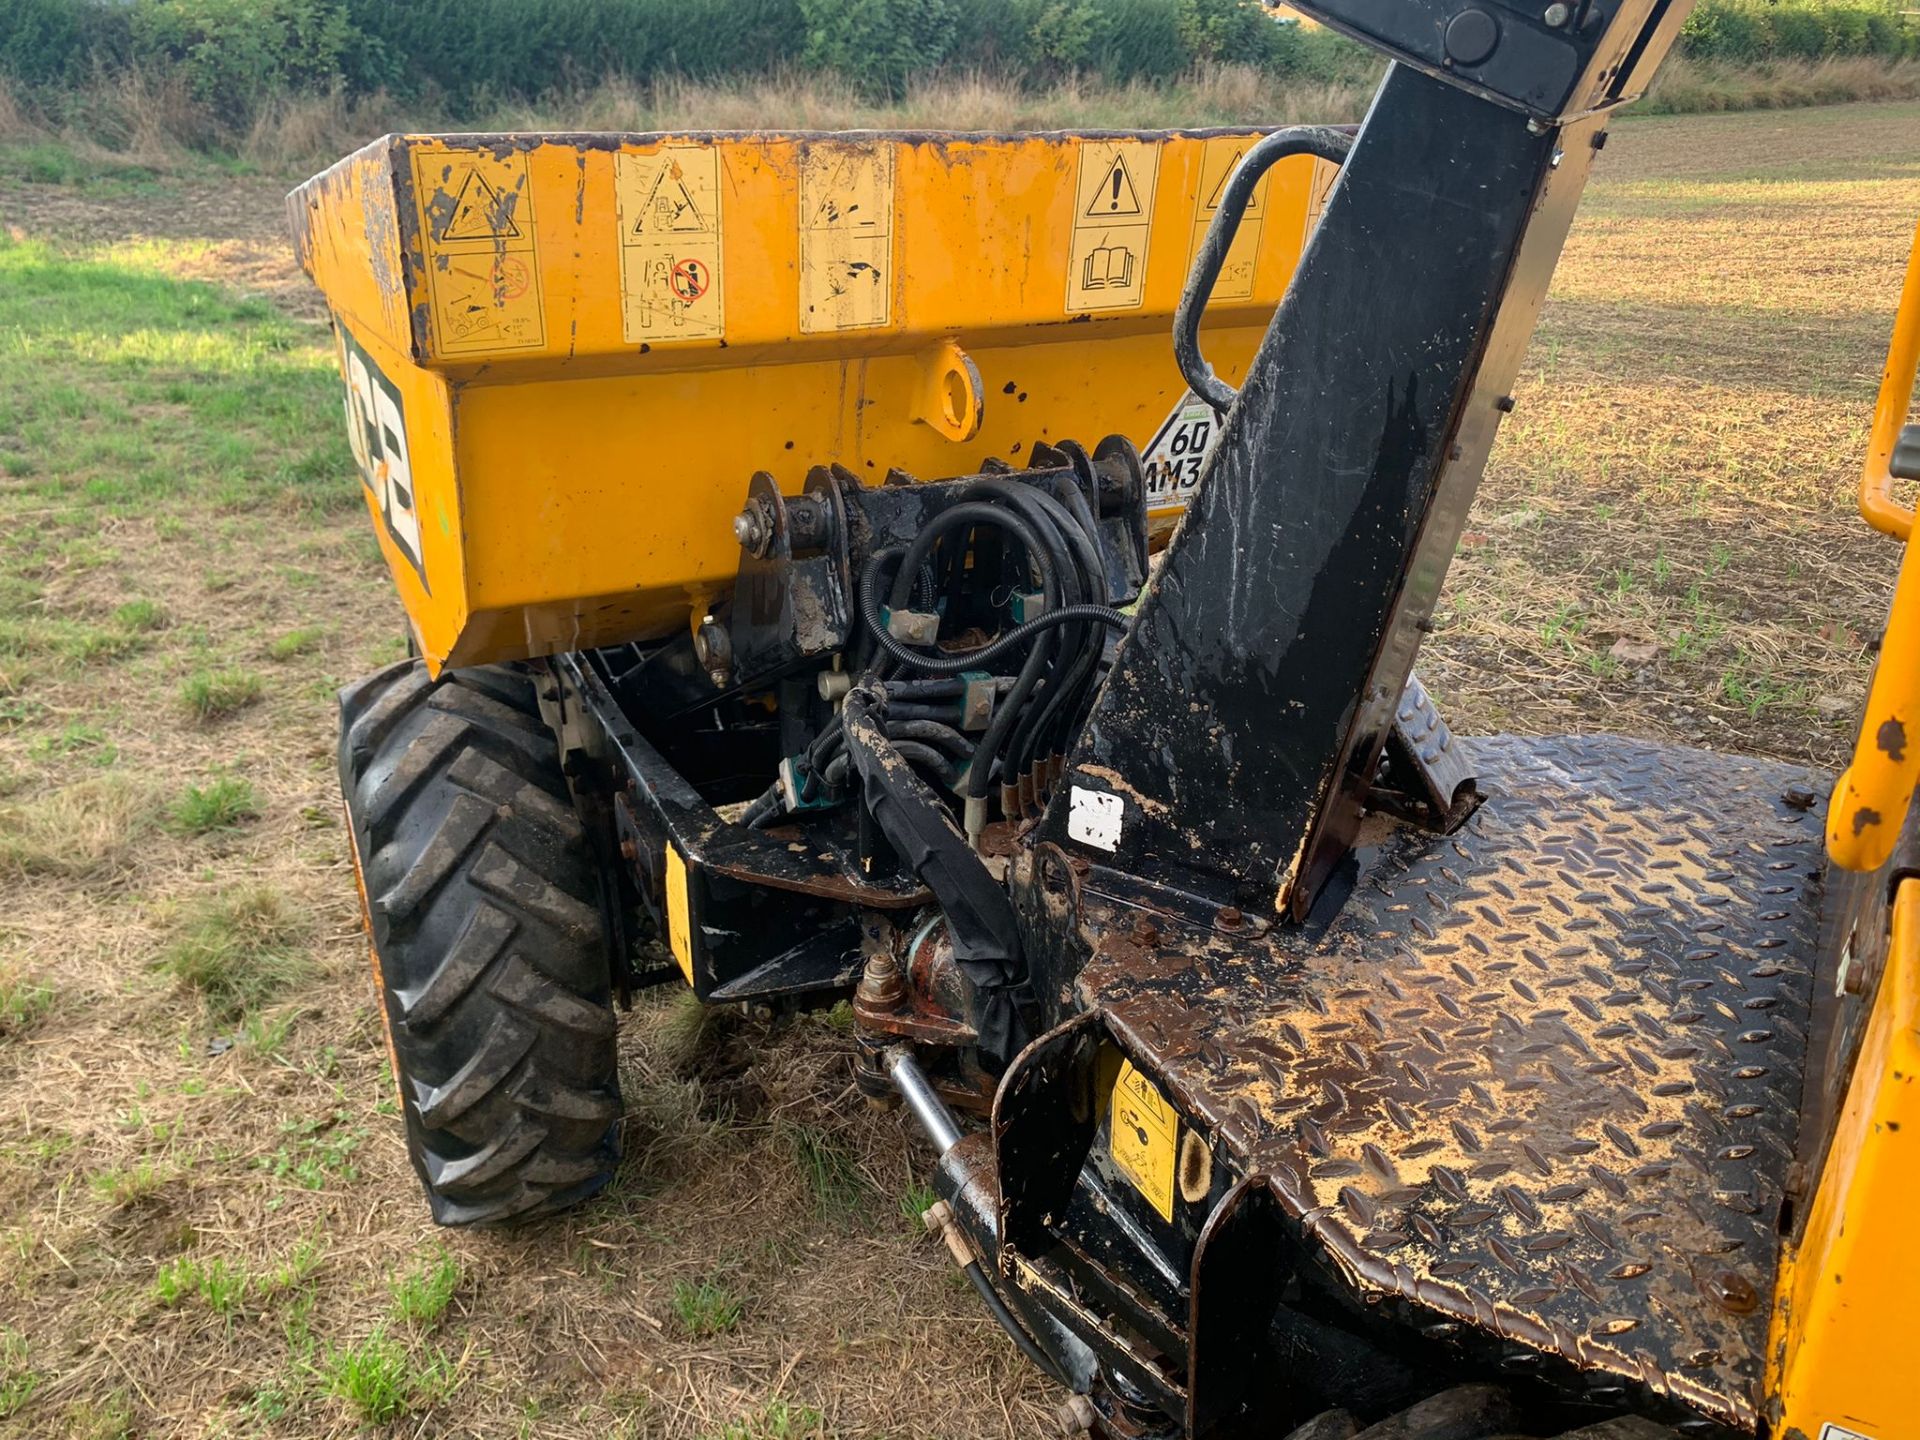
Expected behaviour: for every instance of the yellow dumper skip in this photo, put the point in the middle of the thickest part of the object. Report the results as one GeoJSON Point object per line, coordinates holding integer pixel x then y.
{"type": "Point", "coordinates": [565, 356]}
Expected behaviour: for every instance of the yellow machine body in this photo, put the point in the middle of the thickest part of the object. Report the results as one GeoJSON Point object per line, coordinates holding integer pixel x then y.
{"type": "Point", "coordinates": [1842, 1357]}
{"type": "Point", "coordinates": [566, 356]}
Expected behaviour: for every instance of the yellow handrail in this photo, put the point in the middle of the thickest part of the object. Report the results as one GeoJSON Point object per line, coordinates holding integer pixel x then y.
{"type": "Point", "coordinates": [1869, 805]}
{"type": "Point", "coordinates": [1877, 504]}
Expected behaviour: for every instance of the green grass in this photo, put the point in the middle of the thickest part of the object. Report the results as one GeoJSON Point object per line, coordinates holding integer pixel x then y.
{"type": "Point", "coordinates": [381, 1378]}
{"type": "Point", "coordinates": [778, 1421]}
{"type": "Point", "coordinates": [142, 615]}
{"type": "Point", "coordinates": [216, 694]}
{"type": "Point", "coordinates": [221, 804]}
{"type": "Point", "coordinates": [832, 1173]}
{"type": "Point", "coordinates": [706, 1308]}
{"type": "Point", "coordinates": [919, 1199]}
{"type": "Point", "coordinates": [79, 738]}
{"type": "Point", "coordinates": [24, 1002]}
{"type": "Point", "coordinates": [140, 392]}
{"type": "Point", "coordinates": [238, 949]}
{"type": "Point", "coordinates": [296, 642]}
{"type": "Point", "coordinates": [18, 1378]}
{"type": "Point", "coordinates": [220, 1286]}
{"type": "Point", "coordinates": [421, 1296]}
{"type": "Point", "coordinates": [314, 1151]}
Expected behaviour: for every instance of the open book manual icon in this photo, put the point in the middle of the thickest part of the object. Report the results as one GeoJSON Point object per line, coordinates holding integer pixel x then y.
{"type": "Point", "coordinates": [1107, 265]}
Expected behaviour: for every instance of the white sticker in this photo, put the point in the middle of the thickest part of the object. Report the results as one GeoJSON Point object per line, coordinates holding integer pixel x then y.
{"type": "Point", "coordinates": [1831, 1431]}
{"type": "Point", "coordinates": [1093, 818]}
{"type": "Point", "coordinates": [1178, 453]}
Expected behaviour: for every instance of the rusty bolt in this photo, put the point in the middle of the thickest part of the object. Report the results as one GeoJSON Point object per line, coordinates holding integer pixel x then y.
{"type": "Point", "coordinates": [1076, 1415]}
{"type": "Point", "coordinates": [629, 851]}
{"type": "Point", "coordinates": [1795, 1182]}
{"type": "Point", "coordinates": [1144, 930]}
{"type": "Point", "coordinates": [1854, 979]}
{"type": "Point", "coordinates": [1228, 917]}
{"type": "Point", "coordinates": [1799, 797]}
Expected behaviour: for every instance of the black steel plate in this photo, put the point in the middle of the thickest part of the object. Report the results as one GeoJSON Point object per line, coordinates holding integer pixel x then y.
{"type": "Point", "coordinates": [1540, 1077]}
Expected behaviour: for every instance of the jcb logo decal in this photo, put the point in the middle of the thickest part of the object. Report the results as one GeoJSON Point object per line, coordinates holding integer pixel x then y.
{"type": "Point", "coordinates": [377, 431]}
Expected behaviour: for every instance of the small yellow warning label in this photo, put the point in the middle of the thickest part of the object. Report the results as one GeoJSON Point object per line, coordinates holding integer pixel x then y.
{"type": "Point", "coordinates": [482, 259]}
{"type": "Point", "coordinates": [1217, 164]}
{"type": "Point", "coordinates": [846, 236]}
{"type": "Point", "coordinates": [1325, 172]}
{"type": "Point", "coordinates": [669, 209]}
{"type": "Point", "coordinates": [1112, 220]}
{"type": "Point", "coordinates": [1143, 1136]}
{"type": "Point", "coordinates": [679, 914]}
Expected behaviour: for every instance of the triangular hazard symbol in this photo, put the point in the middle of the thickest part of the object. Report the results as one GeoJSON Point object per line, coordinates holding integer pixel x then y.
{"type": "Point", "coordinates": [1253, 201]}
{"type": "Point", "coordinates": [1115, 197]}
{"type": "Point", "coordinates": [478, 213]}
{"type": "Point", "coordinates": [670, 209]}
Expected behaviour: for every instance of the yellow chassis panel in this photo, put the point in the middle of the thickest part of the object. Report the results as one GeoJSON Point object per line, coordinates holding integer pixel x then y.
{"type": "Point", "coordinates": [567, 355]}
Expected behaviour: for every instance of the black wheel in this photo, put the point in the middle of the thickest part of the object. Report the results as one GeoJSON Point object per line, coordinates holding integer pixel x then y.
{"type": "Point", "coordinates": [489, 945]}
{"type": "Point", "coordinates": [1467, 1412]}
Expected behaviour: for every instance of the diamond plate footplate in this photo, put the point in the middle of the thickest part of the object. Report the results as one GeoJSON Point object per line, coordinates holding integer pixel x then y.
{"type": "Point", "coordinates": [1540, 1077]}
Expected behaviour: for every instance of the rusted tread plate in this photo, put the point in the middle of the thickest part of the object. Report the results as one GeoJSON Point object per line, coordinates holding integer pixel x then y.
{"type": "Point", "coordinates": [1541, 1076]}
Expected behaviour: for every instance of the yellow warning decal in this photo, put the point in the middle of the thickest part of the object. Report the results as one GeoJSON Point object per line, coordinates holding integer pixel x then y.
{"type": "Point", "coordinates": [1217, 163]}
{"type": "Point", "coordinates": [1112, 218]}
{"type": "Point", "coordinates": [846, 236]}
{"type": "Point", "coordinates": [482, 262]}
{"type": "Point", "coordinates": [1325, 172]}
{"type": "Point", "coordinates": [1143, 1136]}
{"type": "Point", "coordinates": [679, 914]}
{"type": "Point", "coordinates": [669, 211]}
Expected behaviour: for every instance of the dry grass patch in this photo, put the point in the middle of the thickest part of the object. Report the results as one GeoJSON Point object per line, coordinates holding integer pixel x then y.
{"type": "Point", "coordinates": [82, 832]}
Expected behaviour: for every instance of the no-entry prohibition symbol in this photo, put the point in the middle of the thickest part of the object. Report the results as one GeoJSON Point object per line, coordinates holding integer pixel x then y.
{"type": "Point", "coordinates": [689, 279]}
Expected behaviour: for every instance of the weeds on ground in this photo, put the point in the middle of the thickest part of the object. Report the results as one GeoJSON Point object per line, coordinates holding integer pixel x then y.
{"type": "Point", "coordinates": [779, 1421]}
{"type": "Point", "coordinates": [142, 615]}
{"type": "Point", "coordinates": [220, 1286]}
{"type": "Point", "coordinates": [919, 1199]}
{"type": "Point", "coordinates": [706, 1308]}
{"type": "Point", "coordinates": [24, 1002]}
{"type": "Point", "coordinates": [221, 804]}
{"type": "Point", "coordinates": [127, 1185]}
{"type": "Point", "coordinates": [421, 1296]}
{"type": "Point", "coordinates": [314, 1150]}
{"type": "Point", "coordinates": [216, 694]}
{"type": "Point", "coordinates": [238, 948]}
{"type": "Point", "coordinates": [832, 1173]}
{"type": "Point", "coordinates": [381, 1378]}
{"type": "Point", "coordinates": [296, 642]}
{"type": "Point", "coordinates": [108, 1418]}
{"type": "Point", "coordinates": [18, 1378]}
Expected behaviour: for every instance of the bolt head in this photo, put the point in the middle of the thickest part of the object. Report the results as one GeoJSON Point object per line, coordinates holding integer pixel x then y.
{"type": "Point", "coordinates": [747, 528]}
{"type": "Point", "coordinates": [1557, 15]}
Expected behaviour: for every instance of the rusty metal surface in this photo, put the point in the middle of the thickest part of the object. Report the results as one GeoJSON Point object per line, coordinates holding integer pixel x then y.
{"type": "Point", "coordinates": [1540, 1078]}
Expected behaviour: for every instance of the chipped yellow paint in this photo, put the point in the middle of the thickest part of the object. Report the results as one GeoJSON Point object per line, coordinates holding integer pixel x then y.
{"type": "Point", "coordinates": [1841, 1349]}
{"type": "Point", "coordinates": [679, 914]}
{"type": "Point", "coordinates": [588, 466]}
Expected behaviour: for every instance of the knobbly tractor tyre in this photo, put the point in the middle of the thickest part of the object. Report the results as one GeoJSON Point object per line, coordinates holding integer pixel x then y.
{"type": "Point", "coordinates": [489, 944]}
